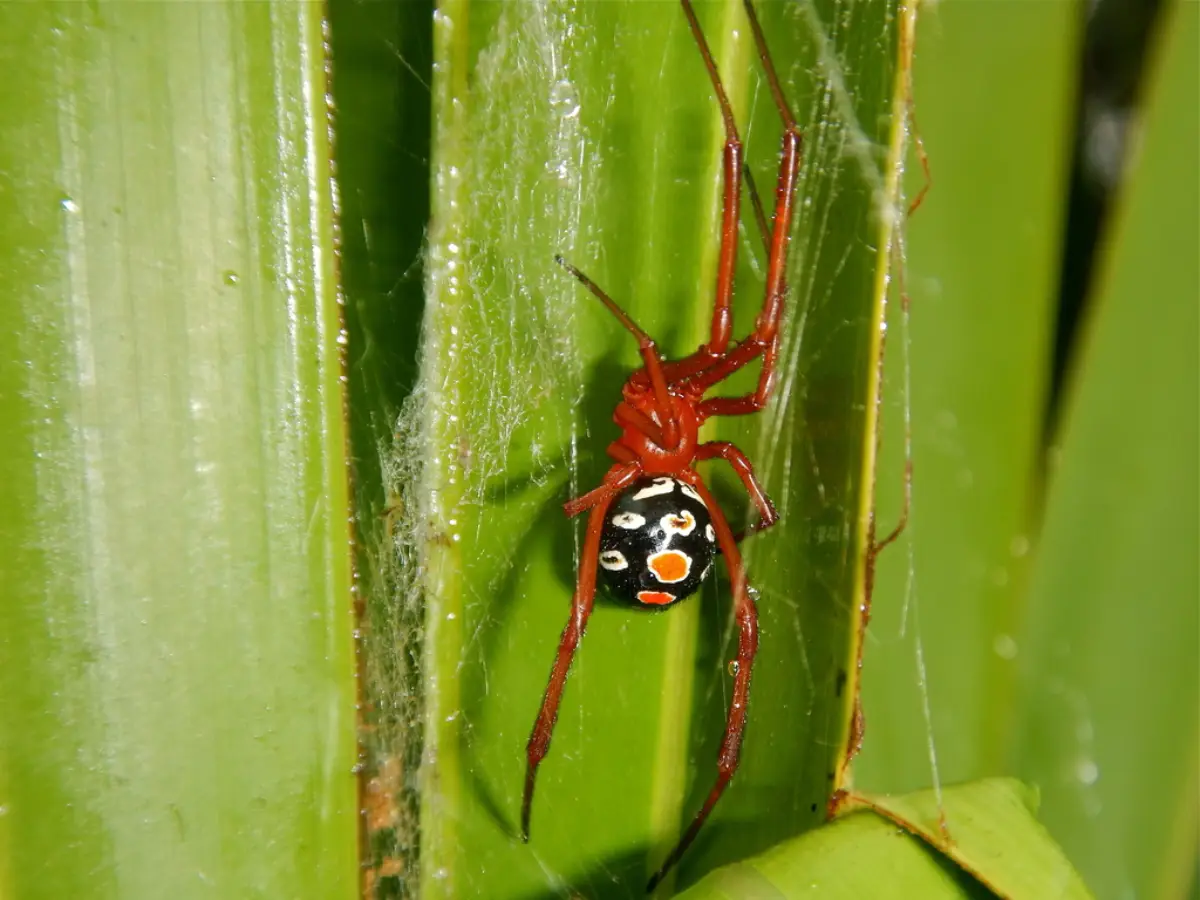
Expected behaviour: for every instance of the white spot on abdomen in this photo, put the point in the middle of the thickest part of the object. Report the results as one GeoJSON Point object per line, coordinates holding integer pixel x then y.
{"type": "Point", "coordinates": [614, 560]}
{"type": "Point", "coordinates": [628, 520]}
{"type": "Point", "coordinates": [660, 486]}
{"type": "Point", "coordinates": [682, 522]}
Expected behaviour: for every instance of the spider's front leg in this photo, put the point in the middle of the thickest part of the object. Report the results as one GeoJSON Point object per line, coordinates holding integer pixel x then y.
{"type": "Point", "coordinates": [732, 165]}
{"type": "Point", "coordinates": [764, 339]}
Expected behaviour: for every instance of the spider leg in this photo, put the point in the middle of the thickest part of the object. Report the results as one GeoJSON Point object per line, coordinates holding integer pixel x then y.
{"type": "Point", "coordinates": [747, 620]}
{"type": "Point", "coordinates": [703, 358]}
{"type": "Point", "coordinates": [581, 608]}
{"type": "Point", "coordinates": [650, 358]}
{"type": "Point", "coordinates": [722, 320]}
{"type": "Point", "coordinates": [750, 403]}
{"type": "Point", "coordinates": [616, 480]}
{"type": "Point", "coordinates": [785, 191]}
{"type": "Point", "coordinates": [621, 453]}
{"type": "Point", "coordinates": [744, 470]}
{"type": "Point", "coordinates": [765, 233]}
{"type": "Point", "coordinates": [763, 340]}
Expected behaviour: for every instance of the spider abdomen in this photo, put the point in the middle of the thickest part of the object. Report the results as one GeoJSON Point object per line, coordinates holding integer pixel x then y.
{"type": "Point", "coordinates": [658, 543]}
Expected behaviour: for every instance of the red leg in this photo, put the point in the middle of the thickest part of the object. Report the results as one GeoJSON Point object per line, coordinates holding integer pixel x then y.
{"type": "Point", "coordinates": [745, 471]}
{"type": "Point", "coordinates": [785, 193]}
{"type": "Point", "coordinates": [762, 341]}
{"type": "Point", "coordinates": [680, 369]}
{"type": "Point", "coordinates": [722, 321]}
{"type": "Point", "coordinates": [766, 328]}
{"type": "Point", "coordinates": [733, 169]}
{"type": "Point", "coordinates": [581, 608]}
{"type": "Point", "coordinates": [747, 619]}
{"type": "Point", "coordinates": [616, 480]}
{"type": "Point", "coordinates": [649, 350]}
{"type": "Point", "coordinates": [750, 403]}
{"type": "Point", "coordinates": [703, 359]}
{"type": "Point", "coordinates": [621, 453]}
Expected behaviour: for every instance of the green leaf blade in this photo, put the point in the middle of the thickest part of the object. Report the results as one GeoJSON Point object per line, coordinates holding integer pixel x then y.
{"type": "Point", "coordinates": [178, 676]}
{"type": "Point", "coordinates": [982, 268]}
{"type": "Point", "coordinates": [1109, 696]}
{"type": "Point", "coordinates": [997, 849]}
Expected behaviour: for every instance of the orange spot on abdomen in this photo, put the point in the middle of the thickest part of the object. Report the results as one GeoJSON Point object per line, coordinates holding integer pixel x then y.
{"type": "Point", "coordinates": [670, 565]}
{"type": "Point", "coordinates": [657, 598]}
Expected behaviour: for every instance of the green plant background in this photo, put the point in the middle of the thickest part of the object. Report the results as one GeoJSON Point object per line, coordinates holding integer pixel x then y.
{"type": "Point", "coordinates": [176, 672]}
{"type": "Point", "coordinates": [176, 661]}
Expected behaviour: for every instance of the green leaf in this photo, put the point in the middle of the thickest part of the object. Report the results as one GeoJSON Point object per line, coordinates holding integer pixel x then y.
{"type": "Point", "coordinates": [996, 841]}
{"type": "Point", "coordinates": [1056, 623]}
{"type": "Point", "coordinates": [972, 372]}
{"type": "Point", "coordinates": [988, 828]}
{"type": "Point", "coordinates": [1109, 698]}
{"type": "Point", "coordinates": [177, 666]}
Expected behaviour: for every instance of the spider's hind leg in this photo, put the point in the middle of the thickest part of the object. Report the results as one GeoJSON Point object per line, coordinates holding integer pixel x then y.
{"type": "Point", "coordinates": [581, 609]}
{"type": "Point", "coordinates": [746, 614]}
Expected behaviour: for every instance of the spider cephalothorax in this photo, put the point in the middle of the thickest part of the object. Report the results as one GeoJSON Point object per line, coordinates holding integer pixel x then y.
{"type": "Point", "coordinates": [654, 528]}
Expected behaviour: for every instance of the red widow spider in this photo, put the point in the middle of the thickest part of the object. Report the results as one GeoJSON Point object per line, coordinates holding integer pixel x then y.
{"type": "Point", "coordinates": [657, 546]}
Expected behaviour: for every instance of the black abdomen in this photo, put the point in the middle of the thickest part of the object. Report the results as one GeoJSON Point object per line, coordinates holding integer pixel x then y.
{"type": "Point", "coordinates": [658, 542]}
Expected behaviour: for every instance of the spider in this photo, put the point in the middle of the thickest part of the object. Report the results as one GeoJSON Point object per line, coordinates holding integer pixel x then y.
{"type": "Point", "coordinates": [653, 527]}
